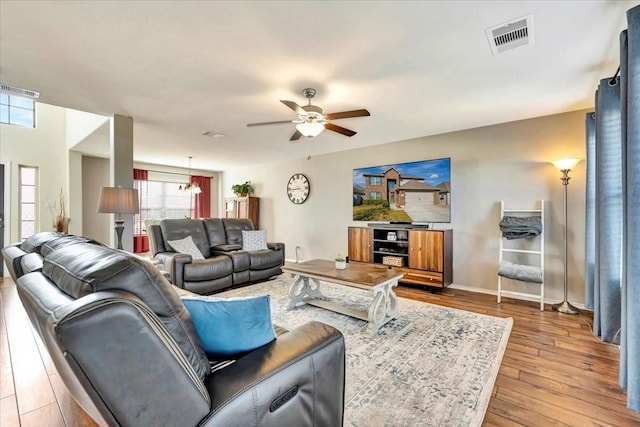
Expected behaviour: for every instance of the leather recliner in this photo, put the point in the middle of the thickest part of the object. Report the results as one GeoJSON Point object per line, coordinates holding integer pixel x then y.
{"type": "Point", "coordinates": [126, 349]}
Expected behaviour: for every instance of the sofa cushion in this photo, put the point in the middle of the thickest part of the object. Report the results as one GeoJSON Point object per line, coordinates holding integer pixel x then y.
{"type": "Point", "coordinates": [255, 240]}
{"type": "Point", "coordinates": [186, 246]}
{"type": "Point", "coordinates": [233, 229]}
{"type": "Point", "coordinates": [62, 241]}
{"type": "Point", "coordinates": [262, 260]}
{"type": "Point", "coordinates": [176, 229]}
{"type": "Point", "coordinates": [31, 262]}
{"type": "Point", "coordinates": [35, 242]}
{"type": "Point", "coordinates": [208, 269]}
{"type": "Point", "coordinates": [215, 231]}
{"type": "Point", "coordinates": [228, 327]}
{"type": "Point", "coordinates": [83, 268]}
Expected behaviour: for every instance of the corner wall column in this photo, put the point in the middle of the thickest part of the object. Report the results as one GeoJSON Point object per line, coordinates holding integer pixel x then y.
{"type": "Point", "coordinates": [121, 169]}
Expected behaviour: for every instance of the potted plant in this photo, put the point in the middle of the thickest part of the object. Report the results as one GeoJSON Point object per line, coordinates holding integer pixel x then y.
{"type": "Point", "coordinates": [242, 190]}
{"type": "Point", "coordinates": [60, 218]}
{"type": "Point", "coordinates": [341, 262]}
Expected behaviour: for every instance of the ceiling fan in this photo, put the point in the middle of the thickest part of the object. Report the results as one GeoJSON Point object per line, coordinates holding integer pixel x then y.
{"type": "Point", "coordinates": [311, 121]}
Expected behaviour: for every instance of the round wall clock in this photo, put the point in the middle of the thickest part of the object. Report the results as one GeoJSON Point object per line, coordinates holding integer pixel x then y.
{"type": "Point", "coordinates": [298, 188]}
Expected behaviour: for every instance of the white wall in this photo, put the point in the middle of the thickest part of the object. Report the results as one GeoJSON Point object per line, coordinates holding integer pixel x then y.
{"type": "Point", "coordinates": [503, 162]}
{"type": "Point", "coordinates": [43, 147]}
{"type": "Point", "coordinates": [95, 175]}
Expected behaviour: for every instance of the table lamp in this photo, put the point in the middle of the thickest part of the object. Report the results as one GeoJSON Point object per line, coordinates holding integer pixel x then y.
{"type": "Point", "coordinates": [118, 200]}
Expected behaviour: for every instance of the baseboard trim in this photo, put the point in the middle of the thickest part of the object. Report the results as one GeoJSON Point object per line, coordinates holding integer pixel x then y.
{"type": "Point", "coordinates": [495, 293]}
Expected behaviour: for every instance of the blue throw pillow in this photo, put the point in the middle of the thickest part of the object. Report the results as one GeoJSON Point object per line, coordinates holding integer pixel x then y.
{"type": "Point", "coordinates": [231, 326]}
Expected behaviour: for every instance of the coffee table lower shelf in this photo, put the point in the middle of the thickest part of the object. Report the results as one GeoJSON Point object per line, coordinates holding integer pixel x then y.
{"type": "Point", "coordinates": [305, 289]}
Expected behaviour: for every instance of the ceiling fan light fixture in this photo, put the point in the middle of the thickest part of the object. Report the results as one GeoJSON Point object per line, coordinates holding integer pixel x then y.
{"type": "Point", "coordinates": [310, 129]}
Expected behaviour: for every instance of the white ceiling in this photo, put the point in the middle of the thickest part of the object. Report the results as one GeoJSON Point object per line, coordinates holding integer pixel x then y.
{"type": "Point", "coordinates": [421, 68]}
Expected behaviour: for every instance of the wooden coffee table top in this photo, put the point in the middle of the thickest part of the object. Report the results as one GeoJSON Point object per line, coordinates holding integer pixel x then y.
{"type": "Point", "coordinates": [361, 274]}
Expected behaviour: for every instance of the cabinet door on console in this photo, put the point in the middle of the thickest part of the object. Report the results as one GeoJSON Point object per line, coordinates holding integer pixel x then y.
{"type": "Point", "coordinates": [426, 250]}
{"type": "Point", "coordinates": [360, 244]}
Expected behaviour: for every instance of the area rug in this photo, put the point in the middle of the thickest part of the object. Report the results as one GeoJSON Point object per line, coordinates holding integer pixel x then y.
{"type": "Point", "coordinates": [432, 366]}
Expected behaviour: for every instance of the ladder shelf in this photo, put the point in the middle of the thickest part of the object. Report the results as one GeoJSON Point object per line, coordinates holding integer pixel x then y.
{"type": "Point", "coordinates": [529, 273]}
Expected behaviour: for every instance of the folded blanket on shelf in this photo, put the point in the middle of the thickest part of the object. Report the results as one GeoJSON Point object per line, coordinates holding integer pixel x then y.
{"type": "Point", "coordinates": [518, 227]}
{"type": "Point", "coordinates": [525, 273]}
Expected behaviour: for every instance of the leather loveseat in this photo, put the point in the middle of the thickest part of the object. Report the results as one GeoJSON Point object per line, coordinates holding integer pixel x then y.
{"type": "Point", "coordinates": [126, 348]}
{"type": "Point", "coordinates": [220, 242]}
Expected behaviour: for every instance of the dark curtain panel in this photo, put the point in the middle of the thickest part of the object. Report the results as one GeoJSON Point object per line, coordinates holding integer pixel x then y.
{"type": "Point", "coordinates": [140, 238]}
{"type": "Point", "coordinates": [202, 204]}
{"type": "Point", "coordinates": [630, 285]}
{"type": "Point", "coordinates": [613, 223]}
{"type": "Point", "coordinates": [590, 209]}
{"type": "Point", "coordinates": [608, 199]}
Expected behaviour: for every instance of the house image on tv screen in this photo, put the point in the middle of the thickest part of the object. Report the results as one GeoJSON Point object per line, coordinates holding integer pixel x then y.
{"type": "Point", "coordinates": [412, 192]}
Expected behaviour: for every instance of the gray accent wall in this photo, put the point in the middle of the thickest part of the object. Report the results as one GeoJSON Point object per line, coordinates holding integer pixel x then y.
{"type": "Point", "coordinates": [507, 162]}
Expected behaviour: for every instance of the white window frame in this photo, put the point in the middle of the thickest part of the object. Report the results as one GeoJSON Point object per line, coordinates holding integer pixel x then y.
{"type": "Point", "coordinates": [21, 190]}
{"type": "Point", "coordinates": [7, 105]}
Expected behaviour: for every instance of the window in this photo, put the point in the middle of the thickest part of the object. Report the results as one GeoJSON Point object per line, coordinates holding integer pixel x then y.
{"type": "Point", "coordinates": [15, 110]}
{"type": "Point", "coordinates": [162, 199]}
{"type": "Point", "coordinates": [375, 180]}
{"type": "Point", "coordinates": [375, 195]}
{"type": "Point", "coordinates": [28, 179]}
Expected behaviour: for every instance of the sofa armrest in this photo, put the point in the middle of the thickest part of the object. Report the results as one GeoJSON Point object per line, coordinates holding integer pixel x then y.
{"type": "Point", "coordinates": [12, 255]}
{"type": "Point", "coordinates": [132, 368]}
{"type": "Point", "coordinates": [174, 263]}
{"type": "Point", "coordinates": [226, 248]}
{"type": "Point", "coordinates": [275, 246]}
{"type": "Point", "coordinates": [297, 379]}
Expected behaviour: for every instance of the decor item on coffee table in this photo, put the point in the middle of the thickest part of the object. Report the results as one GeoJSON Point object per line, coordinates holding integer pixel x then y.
{"type": "Point", "coordinates": [378, 281]}
{"type": "Point", "coordinates": [118, 200]}
{"type": "Point", "coordinates": [430, 366]}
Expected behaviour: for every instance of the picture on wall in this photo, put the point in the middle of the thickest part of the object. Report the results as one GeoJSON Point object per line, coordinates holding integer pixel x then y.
{"type": "Point", "coordinates": [416, 192]}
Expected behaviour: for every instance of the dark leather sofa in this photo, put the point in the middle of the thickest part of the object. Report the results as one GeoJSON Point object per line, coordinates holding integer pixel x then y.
{"type": "Point", "coordinates": [126, 348]}
{"type": "Point", "coordinates": [220, 242]}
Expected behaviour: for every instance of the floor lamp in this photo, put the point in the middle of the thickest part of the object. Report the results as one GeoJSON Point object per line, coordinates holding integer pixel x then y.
{"type": "Point", "coordinates": [118, 200]}
{"type": "Point", "coordinates": [565, 166]}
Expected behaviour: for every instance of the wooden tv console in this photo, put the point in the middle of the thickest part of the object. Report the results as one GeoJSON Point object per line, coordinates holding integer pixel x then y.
{"type": "Point", "coordinates": [423, 255]}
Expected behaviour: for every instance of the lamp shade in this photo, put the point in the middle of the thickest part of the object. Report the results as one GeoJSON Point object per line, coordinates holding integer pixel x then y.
{"type": "Point", "coordinates": [310, 128]}
{"type": "Point", "coordinates": [566, 164]}
{"type": "Point", "coordinates": [118, 200]}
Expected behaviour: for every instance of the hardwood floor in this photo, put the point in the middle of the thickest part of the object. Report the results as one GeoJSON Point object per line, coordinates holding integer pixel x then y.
{"type": "Point", "coordinates": [554, 371]}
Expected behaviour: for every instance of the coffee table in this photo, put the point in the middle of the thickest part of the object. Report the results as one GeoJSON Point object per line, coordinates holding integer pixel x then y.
{"type": "Point", "coordinates": [379, 281]}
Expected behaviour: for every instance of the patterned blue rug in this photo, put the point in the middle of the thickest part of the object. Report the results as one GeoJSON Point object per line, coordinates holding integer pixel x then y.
{"type": "Point", "coordinates": [432, 366]}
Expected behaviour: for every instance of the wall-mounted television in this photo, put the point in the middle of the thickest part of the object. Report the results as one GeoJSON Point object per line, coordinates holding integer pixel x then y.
{"type": "Point", "coordinates": [413, 192]}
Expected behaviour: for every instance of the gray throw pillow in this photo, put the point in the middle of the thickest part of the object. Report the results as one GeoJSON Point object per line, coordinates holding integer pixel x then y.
{"type": "Point", "coordinates": [254, 240]}
{"type": "Point", "coordinates": [186, 246]}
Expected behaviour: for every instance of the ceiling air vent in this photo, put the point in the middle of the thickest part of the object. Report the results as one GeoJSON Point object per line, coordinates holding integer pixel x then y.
{"type": "Point", "coordinates": [212, 134]}
{"type": "Point", "coordinates": [511, 34]}
{"type": "Point", "coordinates": [11, 90]}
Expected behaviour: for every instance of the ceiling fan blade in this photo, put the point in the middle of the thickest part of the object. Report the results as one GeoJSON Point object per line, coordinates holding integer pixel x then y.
{"type": "Point", "coordinates": [268, 123]}
{"type": "Point", "coordinates": [339, 129]}
{"type": "Point", "coordinates": [347, 114]}
{"type": "Point", "coordinates": [295, 107]}
{"type": "Point", "coordinates": [295, 136]}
